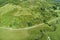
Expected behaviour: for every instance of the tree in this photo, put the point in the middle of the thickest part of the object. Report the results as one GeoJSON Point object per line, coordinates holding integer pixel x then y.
{"type": "Point", "coordinates": [29, 24]}
{"type": "Point", "coordinates": [54, 7]}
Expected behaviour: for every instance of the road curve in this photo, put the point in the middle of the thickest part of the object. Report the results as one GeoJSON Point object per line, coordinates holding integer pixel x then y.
{"type": "Point", "coordinates": [27, 28]}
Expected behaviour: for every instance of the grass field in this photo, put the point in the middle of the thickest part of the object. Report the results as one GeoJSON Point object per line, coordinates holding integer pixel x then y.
{"type": "Point", "coordinates": [29, 20]}
{"type": "Point", "coordinates": [56, 34]}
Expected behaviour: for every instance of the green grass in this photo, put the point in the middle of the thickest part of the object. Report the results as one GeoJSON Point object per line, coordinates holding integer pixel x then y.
{"type": "Point", "coordinates": [17, 14]}
{"type": "Point", "coordinates": [13, 35]}
{"type": "Point", "coordinates": [56, 34]}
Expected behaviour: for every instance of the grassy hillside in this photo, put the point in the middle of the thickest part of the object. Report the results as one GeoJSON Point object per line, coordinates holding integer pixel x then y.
{"type": "Point", "coordinates": [27, 13]}
{"type": "Point", "coordinates": [29, 20]}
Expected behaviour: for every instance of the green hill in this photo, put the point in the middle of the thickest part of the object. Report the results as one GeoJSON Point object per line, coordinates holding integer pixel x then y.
{"type": "Point", "coordinates": [28, 20]}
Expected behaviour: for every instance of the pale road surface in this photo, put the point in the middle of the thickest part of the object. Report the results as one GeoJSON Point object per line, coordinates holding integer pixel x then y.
{"type": "Point", "coordinates": [27, 28]}
{"type": "Point", "coordinates": [49, 38]}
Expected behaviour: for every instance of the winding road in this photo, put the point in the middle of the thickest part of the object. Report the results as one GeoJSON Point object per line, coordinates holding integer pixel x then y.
{"type": "Point", "coordinates": [27, 28]}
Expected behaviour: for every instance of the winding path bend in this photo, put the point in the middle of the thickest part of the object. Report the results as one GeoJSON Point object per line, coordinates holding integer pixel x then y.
{"type": "Point", "coordinates": [27, 28]}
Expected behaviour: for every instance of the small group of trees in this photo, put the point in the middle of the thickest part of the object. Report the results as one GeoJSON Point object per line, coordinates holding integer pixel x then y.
{"type": "Point", "coordinates": [29, 24]}
{"type": "Point", "coordinates": [55, 14]}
